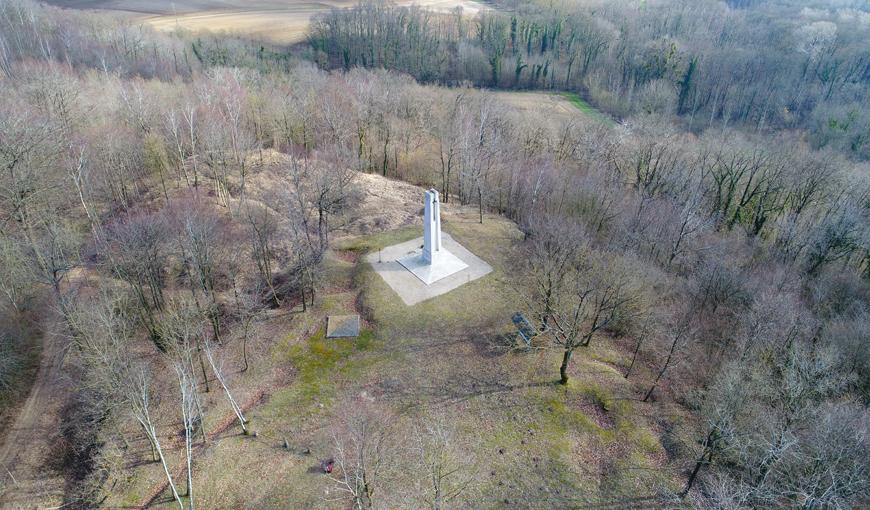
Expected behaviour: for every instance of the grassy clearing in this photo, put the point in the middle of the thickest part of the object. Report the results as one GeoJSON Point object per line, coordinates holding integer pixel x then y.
{"type": "Point", "coordinates": [535, 437]}
{"type": "Point", "coordinates": [527, 438]}
{"type": "Point", "coordinates": [318, 362]}
{"type": "Point", "coordinates": [562, 106]}
{"type": "Point", "coordinates": [586, 108]}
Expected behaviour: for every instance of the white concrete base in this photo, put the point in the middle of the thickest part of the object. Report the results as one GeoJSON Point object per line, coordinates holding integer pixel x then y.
{"type": "Point", "coordinates": [444, 265]}
{"type": "Point", "coordinates": [410, 287]}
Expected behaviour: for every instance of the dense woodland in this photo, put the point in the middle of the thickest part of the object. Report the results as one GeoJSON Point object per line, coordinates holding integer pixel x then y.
{"type": "Point", "coordinates": [696, 59]}
{"type": "Point", "coordinates": [722, 224]}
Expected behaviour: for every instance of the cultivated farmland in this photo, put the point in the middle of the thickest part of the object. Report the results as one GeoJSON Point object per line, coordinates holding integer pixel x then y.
{"type": "Point", "coordinates": [275, 21]}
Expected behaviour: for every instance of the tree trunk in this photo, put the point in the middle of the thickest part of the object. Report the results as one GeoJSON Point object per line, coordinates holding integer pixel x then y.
{"type": "Point", "coordinates": [705, 458]}
{"type": "Point", "coordinates": [563, 370]}
{"type": "Point", "coordinates": [633, 357]}
{"type": "Point", "coordinates": [152, 436]}
{"type": "Point", "coordinates": [245, 347]}
{"type": "Point", "coordinates": [204, 374]}
{"type": "Point", "coordinates": [480, 203]}
{"type": "Point", "coordinates": [662, 371]}
{"type": "Point", "coordinates": [169, 477]}
{"type": "Point", "coordinates": [219, 375]}
{"type": "Point", "coordinates": [150, 442]}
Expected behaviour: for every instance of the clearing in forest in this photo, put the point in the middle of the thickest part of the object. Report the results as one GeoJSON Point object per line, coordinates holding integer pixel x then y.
{"type": "Point", "coordinates": [449, 362]}
{"type": "Point", "coordinates": [562, 106]}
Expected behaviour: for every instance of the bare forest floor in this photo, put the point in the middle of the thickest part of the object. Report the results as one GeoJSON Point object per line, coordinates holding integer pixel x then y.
{"type": "Point", "coordinates": [276, 21]}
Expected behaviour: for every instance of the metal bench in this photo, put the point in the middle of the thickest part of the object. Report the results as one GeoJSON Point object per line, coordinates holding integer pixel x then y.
{"type": "Point", "coordinates": [524, 328]}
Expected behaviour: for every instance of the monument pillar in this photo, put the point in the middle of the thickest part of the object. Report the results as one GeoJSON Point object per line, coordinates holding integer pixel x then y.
{"type": "Point", "coordinates": [431, 227]}
{"type": "Point", "coordinates": [432, 268]}
{"type": "Point", "coordinates": [434, 262]}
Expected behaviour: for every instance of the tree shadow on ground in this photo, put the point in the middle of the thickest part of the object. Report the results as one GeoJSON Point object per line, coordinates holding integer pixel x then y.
{"type": "Point", "coordinates": [452, 391]}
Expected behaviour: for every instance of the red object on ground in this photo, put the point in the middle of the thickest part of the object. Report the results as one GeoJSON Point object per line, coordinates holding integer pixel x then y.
{"type": "Point", "coordinates": [327, 465]}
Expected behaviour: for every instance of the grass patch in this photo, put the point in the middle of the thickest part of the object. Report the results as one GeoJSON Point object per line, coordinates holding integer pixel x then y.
{"type": "Point", "coordinates": [468, 310]}
{"type": "Point", "coordinates": [586, 108]}
{"type": "Point", "coordinates": [365, 339]}
{"type": "Point", "coordinates": [368, 244]}
{"type": "Point", "coordinates": [321, 365]}
{"type": "Point", "coordinates": [559, 419]}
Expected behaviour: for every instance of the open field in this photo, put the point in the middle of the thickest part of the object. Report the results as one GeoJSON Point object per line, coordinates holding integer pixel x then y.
{"type": "Point", "coordinates": [558, 106]}
{"type": "Point", "coordinates": [277, 21]}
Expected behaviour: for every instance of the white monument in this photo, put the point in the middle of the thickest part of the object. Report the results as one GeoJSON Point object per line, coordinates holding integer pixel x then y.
{"type": "Point", "coordinates": [433, 262]}
{"type": "Point", "coordinates": [427, 266]}
{"type": "Point", "coordinates": [431, 226]}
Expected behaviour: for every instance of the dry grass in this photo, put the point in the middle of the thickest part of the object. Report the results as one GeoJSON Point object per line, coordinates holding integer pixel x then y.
{"type": "Point", "coordinates": [276, 21]}
{"type": "Point", "coordinates": [547, 105]}
{"type": "Point", "coordinates": [539, 103]}
{"type": "Point", "coordinates": [380, 204]}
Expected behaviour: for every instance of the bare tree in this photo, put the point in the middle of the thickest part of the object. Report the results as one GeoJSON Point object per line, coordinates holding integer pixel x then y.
{"type": "Point", "coordinates": [447, 469]}
{"type": "Point", "coordinates": [554, 245]}
{"type": "Point", "coordinates": [363, 439]}
{"type": "Point", "coordinates": [181, 329]}
{"type": "Point", "coordinates": [141, 403]}
{"type": "Point", "coordinates": [218, 372]}
{"type": "Point", "coordinates": [16, 276]}
{"type": "Point", "coordinates": [721, 409]}
{"type": "Point", "coordinates": [578, 293]}
{"type": "Point", "coordinates": [190, 418]}
{"type": "Point", "coordinates": [262, 232]}
{"type": "Point", "coordinates": [317, 193]}
{"type": "Point", "coordinates": [228, 99]}
{"type": "Point", "coordinates": [136, 253]}
{"type": "Point", "coordinates": [322, 189]}
{"type": "Point", "coordinates": [598, 295]}
{"type": "Point", "coordinates": [56, 251]}
{"type": "Point", "coordinates": [482, 133]}
{"type": "Point", "coordinates": [838, 235]}
{"type": "Point", "coordinates": [180, 130]}
{"type": "Point", "coordinates": [201, 238]}
{"type": "Point", "coordinates": [678, 338]}
{"type": "Point", "coordinates": [448, 142]}
{"type": "Point", "coordinates": [249, 308]}
{"type": "Point", "coordinates": [644, 334]}
{"type": "Point", "coordinates": [748, 187]}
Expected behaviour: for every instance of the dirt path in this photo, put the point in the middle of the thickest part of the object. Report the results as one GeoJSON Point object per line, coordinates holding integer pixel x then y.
{"type": "Point", "coordinates": [26, 479]}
